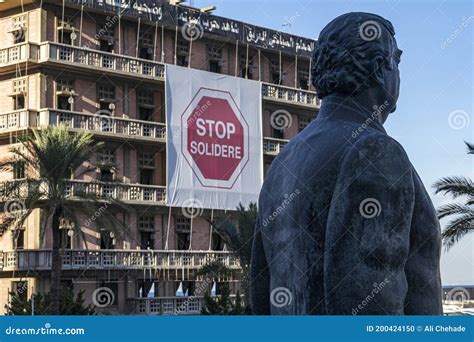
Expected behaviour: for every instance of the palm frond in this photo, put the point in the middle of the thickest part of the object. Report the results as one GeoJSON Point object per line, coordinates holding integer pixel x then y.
{"type": "Point", "coordinates": [457, 228]}
{"type": "Point", "coordinates": [454, 209]}
{"type": "Point", "coordinates": [470, 147]}
{"type": "Point", "coordinates": [456, 186]}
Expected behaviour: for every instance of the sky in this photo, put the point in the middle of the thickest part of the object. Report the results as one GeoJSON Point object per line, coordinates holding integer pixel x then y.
{"type": "Point", "coordinates": [435, 110]}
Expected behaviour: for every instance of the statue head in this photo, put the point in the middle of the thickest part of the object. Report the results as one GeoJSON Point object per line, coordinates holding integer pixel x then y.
{"type": "Point", "coordinates": [357, 52]}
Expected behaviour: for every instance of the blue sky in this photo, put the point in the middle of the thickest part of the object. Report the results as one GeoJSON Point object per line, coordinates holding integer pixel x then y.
{"type": "Point", "coordinates": [435, 109]}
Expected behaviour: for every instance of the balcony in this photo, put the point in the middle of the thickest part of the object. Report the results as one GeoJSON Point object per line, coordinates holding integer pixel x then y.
{"type": "Point", "coordinates": [272, 146]}
{"type": "Point", "coordinates": [110, 127]}
{"type": "Point", "coordinates": [101, 61]}
{"type": "Point", "coordinates": [190, 305]}
{"type": "Point", "coordinates": [17, 54]}
{"type": "Point", "coordinates": [129, 193]}
{"type": "Point", "coordinates": [40, 260]}
{"type": "Point", "coordinates": [292, 96]}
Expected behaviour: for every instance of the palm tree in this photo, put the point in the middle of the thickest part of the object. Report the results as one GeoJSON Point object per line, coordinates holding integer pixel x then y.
{"type": "Point", "coordinates": [238, 235]}
{"type": "Point", "coordinates": [49, 157]}
{"type": "Point", "coordinates": [463, 213]}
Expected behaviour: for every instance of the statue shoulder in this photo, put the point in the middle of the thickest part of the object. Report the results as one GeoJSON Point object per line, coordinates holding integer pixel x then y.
{"type": "Point", "coordinates": [380, 148]}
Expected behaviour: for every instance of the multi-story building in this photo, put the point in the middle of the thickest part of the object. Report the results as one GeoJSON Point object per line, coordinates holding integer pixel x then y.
{"type": "Point", "coordinates": [75, 61]}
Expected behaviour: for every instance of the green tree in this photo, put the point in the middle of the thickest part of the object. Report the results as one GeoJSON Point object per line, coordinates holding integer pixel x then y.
{"type": "Point", "coordinates": [50, 156]}
{"type": "Point", "coordinates": [462, 213]}
{"type": "Point", "coordinates": [70, 304]}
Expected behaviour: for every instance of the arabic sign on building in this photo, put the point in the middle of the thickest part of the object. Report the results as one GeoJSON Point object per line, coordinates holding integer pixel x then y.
{"type": "Point", "coordinates": [172, 16]}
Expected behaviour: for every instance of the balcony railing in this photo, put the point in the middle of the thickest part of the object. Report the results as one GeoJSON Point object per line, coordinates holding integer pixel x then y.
{"type": "Point", "coordinates": [18, 53]}
{"type": "Point", "coordinates": [111, 126]}
{"type": "Point", "coordinates": [132, 193]}
{"type": "Point", "coordinates": [108, 125]}
{"type": "Point", "coordinates": [40, 260]}
{"type": "Point", "coordinates": [289, 95]}
{"type": "Point", "coordinates": [273, 146]}
{"type": "Point", "coordinates": [189, 305]}
{"type": "Point", "coordinates": [102, 60]}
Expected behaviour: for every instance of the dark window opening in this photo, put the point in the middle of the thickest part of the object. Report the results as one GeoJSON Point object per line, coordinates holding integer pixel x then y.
{"type": "Point", "coordinates": [183, 240]}
{"type": "Point", "coordinates": [146, 176]}
{"type": "Point", "coordinates": [145, 113]}
{"type": "Point", "coordinates": [65, 38]}
{"type": "Point", "coordinates": [65, 238]}
{"type": "Point", "coordinates": [106, 176]}
{"type": "Point", "coordinates": [64, 103]}
{"type": "Point", "coordinates": [304, 83]}
{"type": "Point", "coordinates": [19, 170]}
{"type": "Point", "coordinates": [188, 288]}
{"type": "Point", "coordinates": [182, 60]}
{"type": "Point", "coordinates": [278, 133]}
{"type": "Point", "coordinates": [214, 66]}
{"type": "Point", "coordinates": [147, 240]}
{"type": "Point", "coordinates": [20, 288]}
{"type": "Point", "coordinates": [106, 46]}
{"type": "Point", "coordinates": [145, 53]}
{"type": "Point", "coordinates": [217, 242]}
{"type": "Point", "coordinates": [19, 239]}
{"type": "Point", "coordinates": [147, 288]}
{"type": "Point", "coordinates": [107, 240]}
{"type": "Point", "coordinates": [19, 102]}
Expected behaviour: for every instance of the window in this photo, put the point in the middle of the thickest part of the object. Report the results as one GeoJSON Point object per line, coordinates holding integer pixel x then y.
{"type": "Point", "coordinates": [20, 288]}
{"type": "Point", "coordinates": [147, 288]}
{"type": "Point", "coordinates": [145, 45]}
{"type": "Point", "coordinates": [106, 92]}
{"type": "Point", "coordinates": [65, 94]}
{"type": "Point", "coordinates": [217, 242]}
{"type": "Point", "coordinates": [18, 29]}
{"type": "Point", "coordinates": [182, 52]}
{"type": "Point", "coordinates": [19, 238]}
{"type": "Point", "coordinates": [66, 30]}
{"type": "Point", "coordinates": [246, 68]}
{"type": "Point", "coordinates": [278, 133]}
{"type": "Point", "coordinates": [303, 121]}
{"type": "Point", "coordinates": [106, 155]}
{"type": "Point", "coordinates": [18, 102]}
{"type": "Point", "coordinates": [146, 222]}
{"type": "Point", "coordinates": [145, 100]}
{"type": "Point", "coordinates": [18, 93]}
{"type": "Point", "coordinates": [66, 235]}
{"type": "Point", "coordinates": [183, 230]}
{"type": "Point", "coordinates": [19, 170]}
{"type": "Point", "coordinates": [214, 56]}
{"type": "Point", "coordinates": [146, 159]}
{"type": "Point", "coordinates": [107, 239]}
{"type": "Point", "coordinates": [303, 78]}
{"type": "Point", "coordinates": [275, 71]}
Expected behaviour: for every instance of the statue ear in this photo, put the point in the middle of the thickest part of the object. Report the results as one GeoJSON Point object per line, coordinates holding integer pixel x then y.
{"type": "Point", "coordinates": [378, 69]}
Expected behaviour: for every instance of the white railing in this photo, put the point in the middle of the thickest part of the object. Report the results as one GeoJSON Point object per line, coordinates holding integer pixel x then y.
{"type": "Point", "coordinates": [100, 124]}
{"type": "Point", "coordinates": [28, 260]}
{"type": "Point", "coordinates": [110, 125]}
{"type": "Point", "coordinates": [289, 95]}
{"type": "Point", "coordinates": [189, 305]}
{"type": "Point", "coordinates": [18, 53]}
{"type": "Point", "coordinates": [134, 193]}
{"type": "Point", "coordinates": [102, 60]}
{"type": "Point", "coordinates": [273, 146]}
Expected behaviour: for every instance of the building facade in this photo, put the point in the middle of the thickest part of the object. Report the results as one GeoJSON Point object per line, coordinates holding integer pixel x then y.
{"type": "Point", "coordinates": [77, 62]}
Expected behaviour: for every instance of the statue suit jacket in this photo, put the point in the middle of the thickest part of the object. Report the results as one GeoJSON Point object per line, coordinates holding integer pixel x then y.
{"type": "Point", "coordinates": [345, 225]}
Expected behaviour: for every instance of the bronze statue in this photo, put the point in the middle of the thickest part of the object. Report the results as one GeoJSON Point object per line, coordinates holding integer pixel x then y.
{"type": "Point", "coordinates": [345, 225]}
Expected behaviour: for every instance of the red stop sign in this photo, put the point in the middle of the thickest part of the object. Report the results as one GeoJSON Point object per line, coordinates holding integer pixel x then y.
{"type": "Point", "coordinates": [215, 138]}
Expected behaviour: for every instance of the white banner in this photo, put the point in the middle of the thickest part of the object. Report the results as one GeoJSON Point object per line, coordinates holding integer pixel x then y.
{"type": "Point", "coordinates": [214, 139]}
